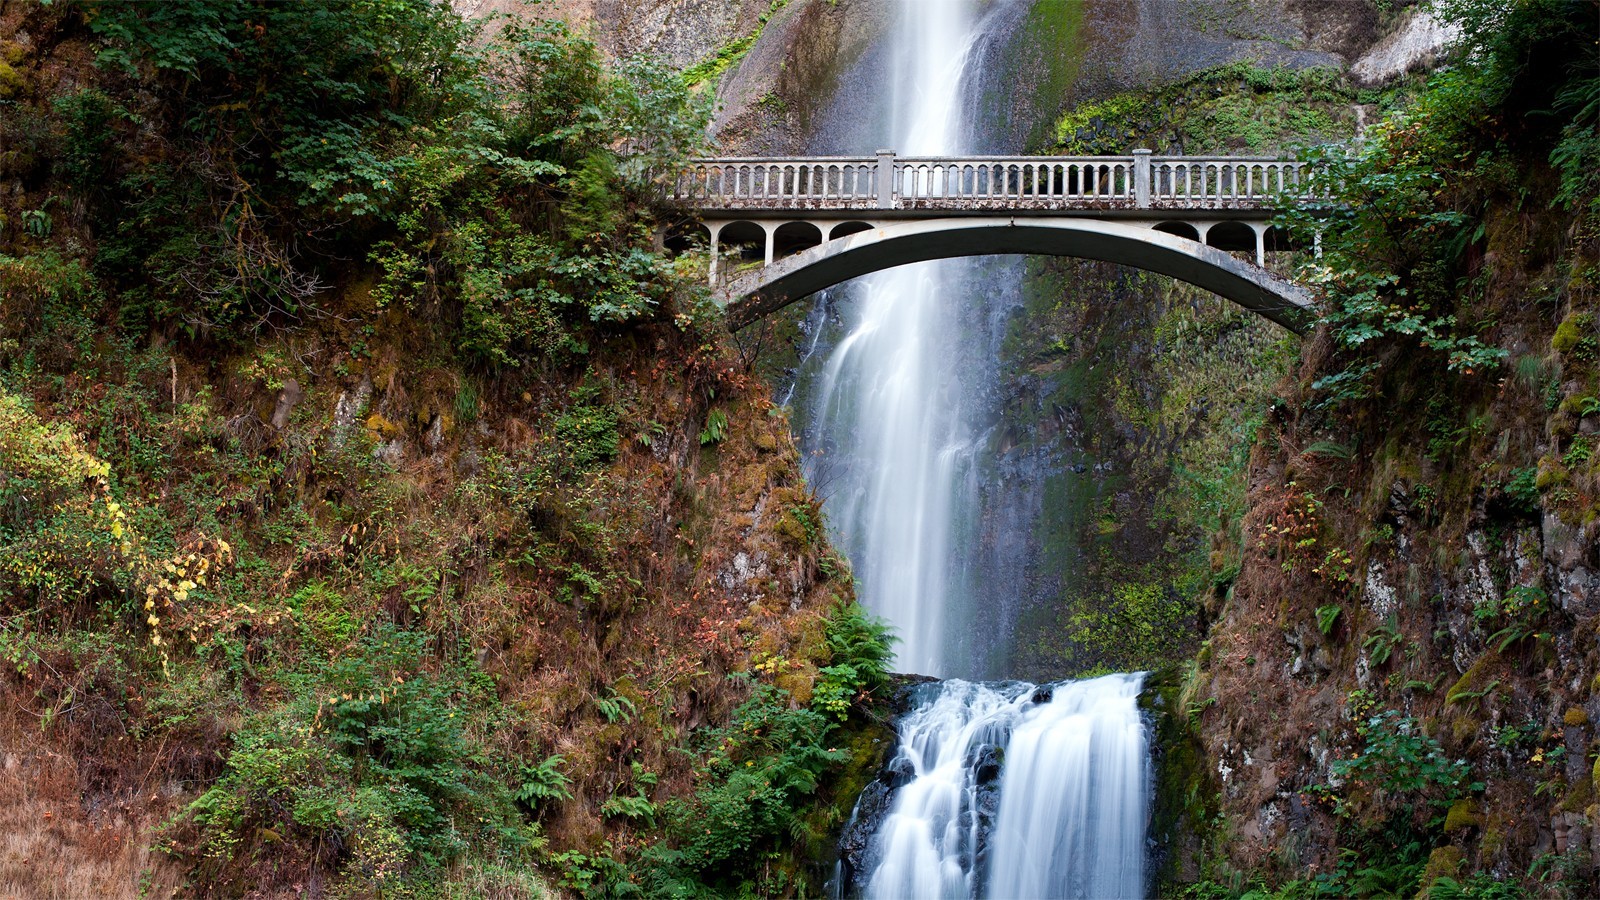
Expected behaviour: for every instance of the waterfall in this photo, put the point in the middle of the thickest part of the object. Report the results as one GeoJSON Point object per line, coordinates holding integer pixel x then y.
{"type": "Point", "coordinates": [890, 401]}
{"type": "Point", "coordinates": [998, 789]}
{"type": "Point", "coordinates": [1017, 791]}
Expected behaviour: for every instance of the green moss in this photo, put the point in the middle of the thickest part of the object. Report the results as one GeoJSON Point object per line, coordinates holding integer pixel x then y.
{"type": "Point", "coordinates": [11, 81]}
{"type": "Point", "coordinates": [1570, 333]}
{"type": "Point", "coordinates": [378, 424]}
{"type": "Point", "coordinates": [1443, 862]}
{"type": "Point", "coordinates": [1184, 808]}
{"type": "Point", "coordinates": [1580, 796]}
{"type": "Point", "coordinates": [869, 740]}
{"type": "Point", "coordinates": [730, 53]}
{"type": "Point", "coordinates": [1461, 816]}
{"type": "Point", "coordinates": [1551, 474]}
{"type": "Point", "coordinates": [1238, 106]}
{"type": "Point", "coordinates": [1050, 54]}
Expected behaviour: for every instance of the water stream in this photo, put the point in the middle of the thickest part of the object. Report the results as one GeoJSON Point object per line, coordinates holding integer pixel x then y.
{"type": "Point", "coordinates": [1014, 790]}
{"type": "Point", "coordinates": [999, 789]}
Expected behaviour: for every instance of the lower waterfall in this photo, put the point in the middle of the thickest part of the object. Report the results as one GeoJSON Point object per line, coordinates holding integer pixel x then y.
{"type": "Point", "coordinates": [1009, 790]}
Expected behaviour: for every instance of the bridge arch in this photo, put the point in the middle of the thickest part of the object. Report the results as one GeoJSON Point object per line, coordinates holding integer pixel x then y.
{"type": "Point", "coordinates": [794, 237]}
{"type": "Point", "coordinates": [1180, 229]}
{"type": "Point", "coordinates": [1232, 236]}
{"type": "Point", "coordinates": [750, 295]}
{"type": "Point", "coordinates": [844, 229]}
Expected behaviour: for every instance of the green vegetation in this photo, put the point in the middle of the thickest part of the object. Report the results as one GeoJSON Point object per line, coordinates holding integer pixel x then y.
{"type": "Point", "coordinates": [1461, 238]}
{"type": "Point", "coordinates": [321, 326]}
{"type": "Point", "coordinates": [728, 55]}
{"type": "Point", "coordinates": [1237, 108]}
{"type": "Point", "coordinates": [372, 751]}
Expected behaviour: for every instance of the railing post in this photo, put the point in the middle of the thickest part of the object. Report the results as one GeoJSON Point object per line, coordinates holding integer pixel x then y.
{"type": "Point", "coordinates": [1141, 178]}
{"type": "Point", "coordinates": [885, 179]}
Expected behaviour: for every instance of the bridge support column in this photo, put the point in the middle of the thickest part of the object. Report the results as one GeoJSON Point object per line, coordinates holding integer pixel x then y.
{"type": "Point", "coordinates": [1261, 243]}
{"type": "Point", "coordinates": [771, 231]}
{"type": "Point", "coordinates": [716, 251]}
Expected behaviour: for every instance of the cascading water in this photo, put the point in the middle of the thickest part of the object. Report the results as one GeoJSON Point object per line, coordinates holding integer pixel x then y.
{"type": "Point", "coordinates": [1065, 818]}
{"type": "Point", "coordinates": [1005, 790]}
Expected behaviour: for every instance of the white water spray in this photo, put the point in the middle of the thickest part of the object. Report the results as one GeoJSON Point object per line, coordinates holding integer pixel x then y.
{"type": "Point", "coordinates": [1072, 795]}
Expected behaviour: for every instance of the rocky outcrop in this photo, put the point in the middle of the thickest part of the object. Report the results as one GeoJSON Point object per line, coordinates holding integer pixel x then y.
{"type": "Point", "coordinates": [682, 32]}
{"type": "Point", "coordinates": [1415, 45]}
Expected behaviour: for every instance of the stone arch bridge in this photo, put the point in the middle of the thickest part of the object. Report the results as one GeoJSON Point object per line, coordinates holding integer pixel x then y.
{"type": "Point", "coordinates": [800, 225]}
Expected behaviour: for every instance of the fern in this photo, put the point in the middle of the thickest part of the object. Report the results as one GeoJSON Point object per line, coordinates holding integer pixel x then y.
{"type": "Point", "coordinates": [716, 428]}
{"type": "Point", "coordinates": [617, 709]}
{"type": "Point", "coordinates": [1328, 448]}
{"type": "Point", "coordinates": [1327, 617]}
{"type": "Point", "coordinates": [1381, 643]}
{"type": "Point", "coordinates": [1472, 697]}
{"type": "Point", "coordinates": [544, 782]}
{"type": "Point", "coordinates": [636, 806]}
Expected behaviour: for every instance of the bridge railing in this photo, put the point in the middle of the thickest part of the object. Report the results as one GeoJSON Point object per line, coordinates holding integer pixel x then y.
{"type": "Point", "coordinates": [838, 182]}
{"type": "Point", "coordinates": [888, 182]}
{"type": "Point", "coordinates": [1179, 178]}
{"type": "Point", "coordinates": [1012, 181]}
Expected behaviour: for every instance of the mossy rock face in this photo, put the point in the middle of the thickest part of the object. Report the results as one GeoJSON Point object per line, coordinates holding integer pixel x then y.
{"type": "Point", "coordinates": [1571, 332]}
{"type": "Point", "coordinates": [379, 424]}
{"type": "Point", "coordinates": [1185, 797]}
{"type": "Point", "coordinates": [799, 683]}
{"type": "Point", "coordinates": [792, 528]}
{"type": "Point", "coordinates": [1461, 817]}
{"type": "Point", "coordinates": [1579, 798]}
{"type": "Point", "coordinates": [11, 82]}
{"type": "Point", "coordinates": [870, 738]}
{"type": "Point", "coordinates": [765, 441]}
{"type": "Point", "coordinates": [1443, 862]}
{"type": "Point", "coordinates": [1576, 716]}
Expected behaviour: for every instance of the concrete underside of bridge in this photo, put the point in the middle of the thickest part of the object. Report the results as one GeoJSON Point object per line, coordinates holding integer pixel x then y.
{"type": "Point", "coordinates": [750, 295]}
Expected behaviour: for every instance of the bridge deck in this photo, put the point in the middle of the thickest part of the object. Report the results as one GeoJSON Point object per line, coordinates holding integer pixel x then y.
{"type": "Point", "coordinates": [887, 184]}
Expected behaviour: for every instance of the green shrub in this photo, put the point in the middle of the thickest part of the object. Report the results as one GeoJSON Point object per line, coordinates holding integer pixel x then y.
{"type": "Point", "coordinates": [861, 649]}
{"type": "Point", "coordinates": [1399, 774]}
{"type": "Point", "coordinates": [759, 774]}
{"type": "Point", "coordinates": [1523, 489]}
{"type": "Point", "coordinates": [762, 768]}
{"type": "Point", "coordinates": [372, 752]}
{"type": "Point", "coordinates": [587, 431]}
{"type": "Point", "coordinates": [394, 115]}
{"type": "Point", "coordinates": [62, 535]}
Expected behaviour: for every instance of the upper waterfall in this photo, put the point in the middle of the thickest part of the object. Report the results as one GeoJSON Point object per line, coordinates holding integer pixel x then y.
{"type": "Point", "coordinates": [891, 415]}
